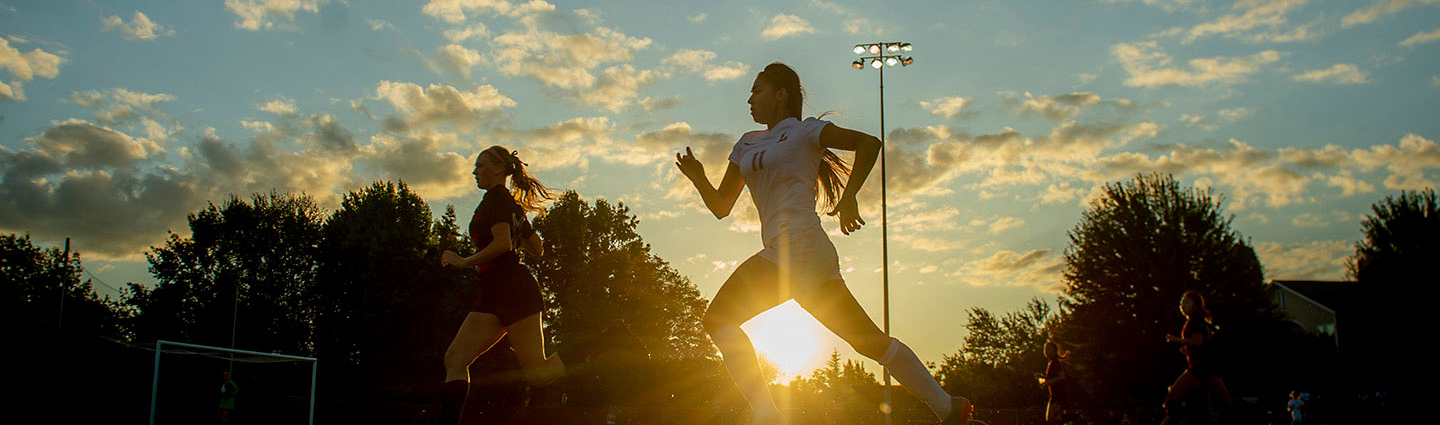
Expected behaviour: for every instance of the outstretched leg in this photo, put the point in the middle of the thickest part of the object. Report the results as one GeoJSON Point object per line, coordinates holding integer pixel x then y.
{"type": "Point", "coordinates": [1183, 385]}
{"type": "Point", "coordinates": [528, 339]}
{"type": "Point", "coordinates": [832, 304]}
{"type": "Point", "coordinates": [477, 334]}
{"type": "Point", "coordinates": [751, 290]}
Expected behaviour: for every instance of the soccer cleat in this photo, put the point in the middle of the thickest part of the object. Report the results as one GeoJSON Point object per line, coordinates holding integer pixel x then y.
{"type": "Point", "coordinates": [960, 412]}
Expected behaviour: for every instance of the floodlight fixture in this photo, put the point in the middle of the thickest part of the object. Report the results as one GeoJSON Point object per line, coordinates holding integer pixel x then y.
{"type": "Point", "coordinates": [874, 49]}
{"type": "Point", "coordinates": [859, 49]}
{"type": "Point", "coordinates": [907, 61]}
{"type": "Point", "coordinates": [857, 64]}
{"type": "Point", "coordinates": [891, 61]}
{"type": "Point", "coordinates": [892, 48]}
{"type": "Point", "coordinates": [905, 47]}
{"type": "Point", "coordinates": [875, 63]}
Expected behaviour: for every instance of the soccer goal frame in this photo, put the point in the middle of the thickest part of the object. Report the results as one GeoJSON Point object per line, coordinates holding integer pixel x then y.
{"type": "Point", "coordinates": [159, 349]}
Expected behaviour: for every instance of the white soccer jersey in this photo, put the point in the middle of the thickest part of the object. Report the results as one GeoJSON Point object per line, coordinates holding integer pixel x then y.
{"type": "Point", "coordinates": [780, 167]}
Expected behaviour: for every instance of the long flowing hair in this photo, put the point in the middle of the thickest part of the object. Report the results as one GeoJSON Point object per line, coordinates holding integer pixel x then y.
{"type": "Point", "coordinates": [833, 172]}
{"type": "Point", "coordinates": [529, 193]}
{"type": "Point", "coordinates": [1199, 303]}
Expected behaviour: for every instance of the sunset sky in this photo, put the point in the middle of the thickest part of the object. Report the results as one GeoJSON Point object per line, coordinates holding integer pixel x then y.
{"type": "Point", "coordinates": [118, 118]}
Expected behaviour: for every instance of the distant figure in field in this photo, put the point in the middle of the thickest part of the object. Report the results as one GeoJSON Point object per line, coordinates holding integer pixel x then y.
{"type": "Point", "coordinates": [511, 303]}
{"type": "Point", "coordinates": [1053, 379]}
{"type": "Point", "coordinates": [1193, 337]}
{"type": "Point", "coordinates": [1296, 406]}
{"type": "Point", "coordinates": [786, 166]}
{"type": "Point", "coordinates": [228, 390]}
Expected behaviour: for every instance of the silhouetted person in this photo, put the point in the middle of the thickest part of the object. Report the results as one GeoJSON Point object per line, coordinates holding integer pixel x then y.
{"type": "Point", "coordinates": [228, 390]}
{"type": "Point", "coordinates": [1296, 407]}
{"type": "Point", "coordinates": [1199, 370]}
{"type": "Point", "coordinates": [511, 302]}
{"type": "Point", "coordinates": [1053, 379]}
{"type": "Point", "coordinates": [785, 166]}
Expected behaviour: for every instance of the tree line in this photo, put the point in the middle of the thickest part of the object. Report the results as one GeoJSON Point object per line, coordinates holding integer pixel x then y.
{"type": "Point", "coordinates": [361, 289]}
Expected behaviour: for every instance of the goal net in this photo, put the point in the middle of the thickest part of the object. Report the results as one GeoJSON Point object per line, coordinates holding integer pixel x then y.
{"type": "Point", "coordinates": [189, 386]}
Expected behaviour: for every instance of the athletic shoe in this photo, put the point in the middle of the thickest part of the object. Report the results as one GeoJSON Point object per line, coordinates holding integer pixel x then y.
{"type": "Point", "coordinates": [960, 412]}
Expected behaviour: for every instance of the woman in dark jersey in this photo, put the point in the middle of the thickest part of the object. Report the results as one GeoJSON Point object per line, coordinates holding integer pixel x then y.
{"type": "Point", "coordinates": [1193, 337]}
{"type": "Point", "coordinates": [1053, 379]}
{"type": "Point", "coordinates": [511, 302]}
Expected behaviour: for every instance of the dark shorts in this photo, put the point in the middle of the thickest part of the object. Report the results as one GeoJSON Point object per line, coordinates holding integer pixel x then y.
{"type": "Point", "coordinates": [509, 292]}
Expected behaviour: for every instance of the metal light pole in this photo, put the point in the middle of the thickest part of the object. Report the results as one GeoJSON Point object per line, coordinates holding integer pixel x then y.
{"type": "Point", "coordinates": [883, 55]}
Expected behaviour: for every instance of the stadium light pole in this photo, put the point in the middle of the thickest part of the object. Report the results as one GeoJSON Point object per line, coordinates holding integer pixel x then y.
{"type": "Point", "coordinates": [883, 55]}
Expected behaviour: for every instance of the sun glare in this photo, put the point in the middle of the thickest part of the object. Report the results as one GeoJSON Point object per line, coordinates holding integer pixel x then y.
{"type": "Point", "coordinates": [789, 337]}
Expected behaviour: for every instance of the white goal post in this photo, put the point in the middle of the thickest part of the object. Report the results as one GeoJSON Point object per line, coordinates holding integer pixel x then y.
{"type": "Point", "coordinates": [160, 346]}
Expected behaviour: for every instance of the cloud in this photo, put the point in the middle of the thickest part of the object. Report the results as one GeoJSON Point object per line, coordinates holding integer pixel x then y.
{"type": "Point", "coordinates": [279, 107]}
{"type": "Point", "coordinates": [23, 68]}
{"type": "Point", "coordinates": [1234, 114]}
{"type": "Point", "coordinates": [76, 169]}
{"type": "Point", "coordinates": [1054, 108]}
{"type": "Point", "coordinates": [1005, 223]}
{"type": "Point", "coordinates": [256, 15]}
{"type": "Point", "coordinates": [457, 35]}
{"type": "Point", "coordinates": [1035, 268]}
{"type": "Point", "coordinates": [652, 104]}
{"type": "Point", "coordinates": [696, 18]}
{"type": "Point", "coordinates": [1316, 260]}
{"type": "Point", "coordinates": [1341, 73]}
{"type": "Point", "coordinates": [457, 59]}
{"type": "Point", "coordinates": [566, 63]}
{"type": "Point", "coordinates": [783, 25]}
{"type": "Point", "coordinates": [1168, 5]}
{"type": "Point", "coordinates": [455, 11]}
{"type": "Point", "coordinates": [690, 61]}
{"type": "Point", "coordinates": [1422, 38]}
{"type": "Point", "coordinates": [1380, 9]}
{"type": "Point", "coordinates": [131, 111]}
{"type": "Point", "coordinates": [926, 221]}
{"type": "Point", "coordinates": [1254, 14]}
{"type": "Point", "coordinates": [1149, 66]}
{"type": "Point", "coordinates": [440, 104]}
{"type": "Point", "coordinates": [422, 164]}
{"type": "Point", "coordinates": [947, 107]}
{"type": "Point", "coordinates": [140, 27]}
{"type": "Point", "coordinates": [381, 24]}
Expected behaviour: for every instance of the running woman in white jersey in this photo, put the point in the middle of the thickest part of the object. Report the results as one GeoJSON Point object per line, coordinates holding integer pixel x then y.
{"type": "Point", "coordinates": [785, 166]}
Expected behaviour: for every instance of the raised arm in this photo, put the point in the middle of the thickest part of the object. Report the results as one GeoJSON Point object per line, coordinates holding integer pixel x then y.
{"type": "Point", "coordinates": [867, 149]}
{"type": "Point", "coordinates": [719, 200]}
{"type": "Point", "coordinates": [499, 244]}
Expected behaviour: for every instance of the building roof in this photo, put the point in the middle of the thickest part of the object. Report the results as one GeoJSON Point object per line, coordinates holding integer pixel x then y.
{"type": "Point", "coordinates": [1334, 295]}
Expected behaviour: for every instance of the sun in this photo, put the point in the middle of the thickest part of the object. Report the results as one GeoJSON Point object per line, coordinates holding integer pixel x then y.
{"type": "Point", "coordinates": [789, 337]}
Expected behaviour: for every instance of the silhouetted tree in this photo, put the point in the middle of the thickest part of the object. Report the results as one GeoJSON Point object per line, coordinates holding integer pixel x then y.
{"type": "Point", "coordinates": [621, 311]}
{"type": "Point", "coordinates": [249, 265]}
{"type": "Point", "coordinates": [1142, 243]}
{"type": "Point", "coordinates": [1000, 355]}
{"type": "Point", "coordinates": [1395, 264]}
{"type": "Point", "coordinates": [838, 385]}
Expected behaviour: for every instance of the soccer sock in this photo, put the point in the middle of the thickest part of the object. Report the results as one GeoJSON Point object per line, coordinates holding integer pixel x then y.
{"type": "Point", "coordinates": [452, 401]}
{"type": "Point", "coordinates": [912, 374]}
{"type": "Point", "coordinates": [739, 356]}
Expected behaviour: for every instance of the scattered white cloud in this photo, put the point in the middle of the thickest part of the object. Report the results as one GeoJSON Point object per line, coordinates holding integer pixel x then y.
{"type": "Point", "coordinates": [784, 25]}
{"type": "Point", "coordinates": [1316, 260]}
{"type": "Point", "coordinates": [1036, 268]}
{"type": "Point", "coordinates": [947, 107]}
{"type": "Point", "coordinates": [421, 108]}
{"type": "Point", "coordinates": [1167, 5]}
{"type": "Point", "coordinates": [1149, 66]}
{"type": "Point", "coordinates": [455, 11]}
{"type": "Point", "coordinates": [24, 67]}
{"type": "Point", "coordinates": [1234, 114]}
{"type": "Point", "coordinates": [1006, 223]}
{"type": "Point", "coordinates": [1422, 37]}
{"type": "Point", "coordinates": [696, 18]}
{"type": "Point", "coordinates": [256, 15]}
{"type": "Point", "coordinates": [381, 24]}
{"type": "Point", "coordinates": [456, 35]}
{"type": "Point", "coordinates": [1380, 9]}
{"type": "Point", "coordinates": [1340, 73]}
{"type": "Point", "coordinates": [457, 59]}
{"type": "Point", "coordinates": [140, 27]}
{"type": "Point", "coordinates": [1268, 15]}
{"type": "Point", "coordinates": [279, 107]}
